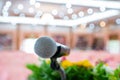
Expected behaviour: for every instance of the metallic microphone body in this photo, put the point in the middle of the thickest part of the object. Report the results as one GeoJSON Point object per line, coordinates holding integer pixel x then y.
{"type": "Point", "coordinates": [46, 47]}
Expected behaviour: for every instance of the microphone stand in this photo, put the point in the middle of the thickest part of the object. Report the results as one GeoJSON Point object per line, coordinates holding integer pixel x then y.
{"type": "Point", "coordinates": [55, 66]}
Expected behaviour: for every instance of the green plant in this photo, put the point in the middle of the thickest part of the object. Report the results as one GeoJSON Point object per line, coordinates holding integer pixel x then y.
{"type": "Point", "coordinates": [42, 72]}
{"type": "Point", "coordinates": [78, 73]}
{"type": "Point", "coordinates": [81, 70]}
{"type": "Point", "coordinates": [100, 72]}
{"type": "Point", "coordinates": [117, 73]}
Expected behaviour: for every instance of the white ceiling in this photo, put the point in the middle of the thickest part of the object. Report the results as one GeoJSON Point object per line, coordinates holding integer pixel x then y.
{"type": "Point", "coordinates": [23, 9]}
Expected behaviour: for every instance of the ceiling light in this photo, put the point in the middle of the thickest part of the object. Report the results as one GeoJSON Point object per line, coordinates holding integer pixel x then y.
{"type": "Point", "coordinates": [70, 11]}
{"type": "Point", "coordinates": [8, 3]}
{"type": "Point", "coordinates": [68, 5]}
{"type": "Point", "coordinates": [90, 11]}
{"type": "Point", "coordinates": [5, 14]}
{"type": "Point", "coordinates": [39, 13]}
{"type": "Point", "coordinates": [68, 23]}
{"type": "Point", "coordinates": [37, 5]}
{"type": "Point", "coordinates": [16, 11]}
{"type": "Point", "coordinates": [5, 8]}
{"type": "Point", "coordinates": [74, 16]}
{"type": "Point", "coordinates": [3, 11]}
{"type": "Point", "coordinates": [32, 2]}
{"type": "Point", "coordinates": [20, 6]}
{"type": "Point", "coordinates": [31, 10]}
{"type": "Point", "coordinates": [81, 13]}
{"type": "Point", "coordinates": [102, 9]}
{"type": "Point", "coordinates": [118, 21]}
{"type": "Point", "coordinates": [54, 12]}
{"type": "Point", "coordinates": [91, 26]}
{"type": "Point", "coordinates": [97, 16]}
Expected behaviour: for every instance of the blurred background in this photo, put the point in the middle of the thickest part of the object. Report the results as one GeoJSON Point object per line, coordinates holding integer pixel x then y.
{"type": "Point", "coordinates": [86, 26]}
{"type": "Point", "coordinates": [79, 24]}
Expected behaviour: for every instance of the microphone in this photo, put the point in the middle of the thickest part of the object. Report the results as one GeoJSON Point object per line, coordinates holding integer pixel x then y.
{"type": "Point", "coordinates": [46, 47]}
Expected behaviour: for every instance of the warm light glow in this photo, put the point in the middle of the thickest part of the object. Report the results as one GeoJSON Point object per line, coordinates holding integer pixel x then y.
{"type": "Point", "coordinates": [102, 24]}
{"type": "Point", "coordinates": [97, 16]}
{"type": "Point", "coordinates": [83, 26]}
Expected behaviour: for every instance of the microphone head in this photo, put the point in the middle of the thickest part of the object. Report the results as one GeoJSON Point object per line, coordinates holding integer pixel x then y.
{"type": "Point", "coordinates": [45, 47]}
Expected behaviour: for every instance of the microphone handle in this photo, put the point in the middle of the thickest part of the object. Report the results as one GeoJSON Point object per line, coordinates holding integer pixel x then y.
{"type": "Point", "coordinates": [62, 73]}
{"type": "Point", "coordinates": [55, 66]}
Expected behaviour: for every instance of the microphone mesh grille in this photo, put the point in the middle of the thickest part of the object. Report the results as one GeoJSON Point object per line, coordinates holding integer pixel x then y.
{"type": "Point", "coordinates": [45, 47]}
